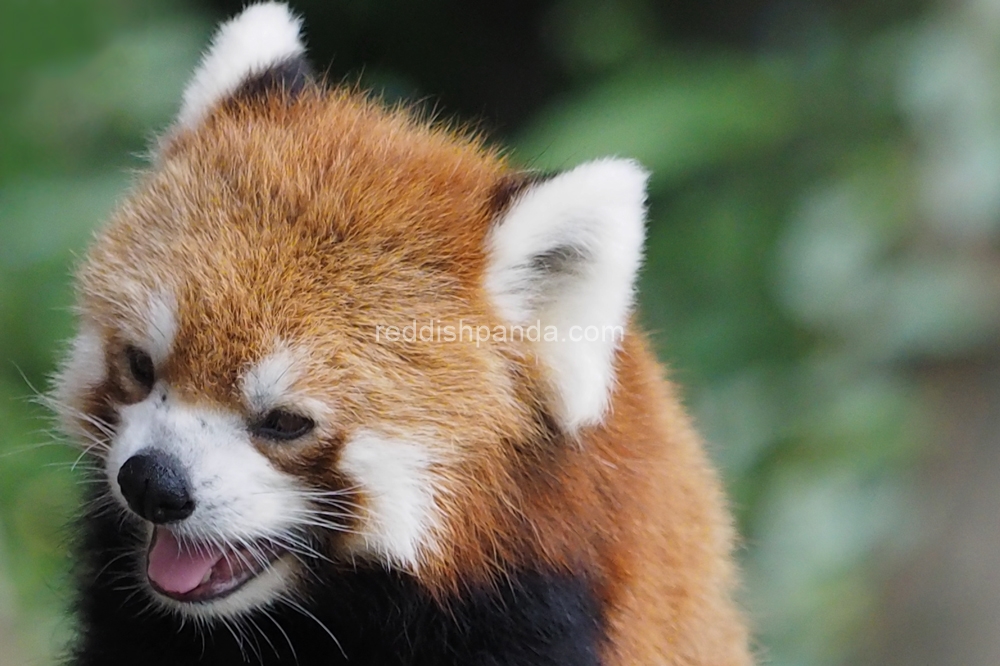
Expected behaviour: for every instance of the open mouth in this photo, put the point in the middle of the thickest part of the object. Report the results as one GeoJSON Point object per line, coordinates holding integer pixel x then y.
{"type": "Point", "coordinates": [198, 572]}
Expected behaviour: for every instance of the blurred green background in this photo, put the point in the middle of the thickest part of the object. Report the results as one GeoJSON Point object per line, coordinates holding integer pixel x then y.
{"type": "Point", "coordinates": [823, 273]}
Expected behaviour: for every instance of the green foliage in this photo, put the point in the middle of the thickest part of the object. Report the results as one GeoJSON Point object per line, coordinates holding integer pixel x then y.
{"type": "Point", "coordinates": [794, 263]}
{"type": "Point", "coordinates": [674, 114]}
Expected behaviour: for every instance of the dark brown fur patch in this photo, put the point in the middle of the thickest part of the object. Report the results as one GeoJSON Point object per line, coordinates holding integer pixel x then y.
{"type": "Point", "coordinates": [285, 80]}
{"type": "Point", "coordinates": [511, 186]}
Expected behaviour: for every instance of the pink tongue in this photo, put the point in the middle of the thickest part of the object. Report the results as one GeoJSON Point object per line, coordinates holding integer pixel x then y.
{"type": "Point", "coordinates": [179, 569]}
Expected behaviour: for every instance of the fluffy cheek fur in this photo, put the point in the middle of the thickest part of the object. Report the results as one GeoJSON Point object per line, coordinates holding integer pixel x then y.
{"type": "Point", "coordinates": [83, 371]}
{"type": "Point", "coordinates": [400, 482]}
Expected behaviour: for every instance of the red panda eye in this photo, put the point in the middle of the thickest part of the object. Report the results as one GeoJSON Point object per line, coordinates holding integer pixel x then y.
{"type": "Point", "coordinates": [140, 364]}
{"type": "Point", "coordinates": [282, 425]}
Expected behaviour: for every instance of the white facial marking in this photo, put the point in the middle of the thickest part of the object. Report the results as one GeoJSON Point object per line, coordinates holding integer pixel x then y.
{"type": "Point", "coordinates": [566, 254]}
{"type": "Point", "coordinates": [238, 494]}
{"type": "Point", "coordinates": [398, 481]}
{"type": "Point", "coordinates": [161, 326]}
{"type": "Point", "coordinates": [85, 365]}
{"type": "Point", "coordinates": [83, 368]}
{"type": "Point", "coordinates": [270, 383]}
{"type": "Point", "coordinates": [262, 36]}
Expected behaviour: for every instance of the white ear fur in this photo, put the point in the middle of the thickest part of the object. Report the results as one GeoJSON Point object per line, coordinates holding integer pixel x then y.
{"type": "Point", "coordinates": [566, 254]}
{"type": "Point", "coordinates": [259, 37]}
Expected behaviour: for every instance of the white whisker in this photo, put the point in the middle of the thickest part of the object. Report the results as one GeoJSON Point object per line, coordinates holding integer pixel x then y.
{"type": "Point", "coordinates": [301, 609]}
{"type": "Point", "coordinates": [267, 613]}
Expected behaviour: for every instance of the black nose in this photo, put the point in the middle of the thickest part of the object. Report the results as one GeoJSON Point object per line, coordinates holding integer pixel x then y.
{"type": "Point", "coordinates": [155, 486]}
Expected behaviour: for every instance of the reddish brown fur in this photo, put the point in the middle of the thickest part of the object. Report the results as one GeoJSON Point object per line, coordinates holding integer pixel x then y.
{"type": "Point", "coordinates": [349, 216]}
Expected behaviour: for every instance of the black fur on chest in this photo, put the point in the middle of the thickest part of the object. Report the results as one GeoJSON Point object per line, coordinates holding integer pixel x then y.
{"type": "Point", "coordinates": [378, 617]}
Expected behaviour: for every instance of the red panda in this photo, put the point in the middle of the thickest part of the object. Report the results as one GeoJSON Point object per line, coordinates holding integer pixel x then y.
{"type": "Point", "coordinates": [365, 393]}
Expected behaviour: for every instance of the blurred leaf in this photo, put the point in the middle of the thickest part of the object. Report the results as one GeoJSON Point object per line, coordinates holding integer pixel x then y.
{"type": "Point", "coordinates": [129, 89]}
{"type": "Point", "coordinates": [841, 271]}
{"type": "Point", "coordinates": [811, 534]}
{"type": "Point", "coordinates": [45, 222]}
{"type": "Point", "coordinates": [705, 286]}
{"type": "Point", "coordinates": [939, 307]}
{"type": "Point", "coordinates": [43, 219]}
{"type": "Point", "coordinates": [851, 414]}
{"type": "Point", "coordinates": [674, 115]}
{"type": "Point", "coordinates": [598, 34]}
{"type": "Point", "coordinates": [36, 498]}
{"type": "Point", "coordinates": [742, 416]}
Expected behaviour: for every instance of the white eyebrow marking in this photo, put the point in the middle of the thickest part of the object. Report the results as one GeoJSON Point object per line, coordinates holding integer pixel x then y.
{"type": "Point", "coordinates": [270, 381]}
{"type": "Point", "coordinates": [161, 325]}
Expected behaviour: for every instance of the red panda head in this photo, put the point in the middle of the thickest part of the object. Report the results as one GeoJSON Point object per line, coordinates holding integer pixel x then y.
{"type": "Point", "coordinates": [323, 329]}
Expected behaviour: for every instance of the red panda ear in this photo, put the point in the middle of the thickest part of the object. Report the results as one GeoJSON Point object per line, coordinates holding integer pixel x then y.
{"type": "Point", "coordinates": [565, 255]}
{"type": "Point", "coordinates": [256, 51]}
